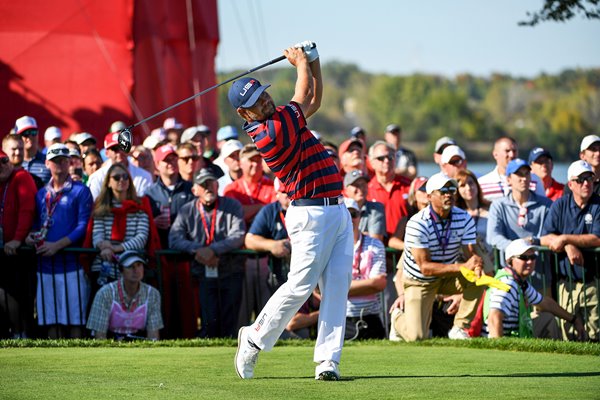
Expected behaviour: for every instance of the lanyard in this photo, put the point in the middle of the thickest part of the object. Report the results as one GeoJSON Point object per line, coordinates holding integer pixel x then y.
{"type": "Point", "coordinates": [51, 203]}
{"type": "Point", "coordinates": [444, 238]}
{"type": "Point", "coordinates": [210, 235]}
{"type": "Point", "coordinates": [283, 221]}
{"type": "Point", "coordinates": [122, 298]}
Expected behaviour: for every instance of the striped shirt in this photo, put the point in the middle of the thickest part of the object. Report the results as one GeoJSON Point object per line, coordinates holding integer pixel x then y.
{"type": "Point", "coordinates": [495, 185]}
{"type": "Point", "coordinates": [508, 303]}
{"type": "Point", "coordinates": [369, 262]}
{"type": "Point", "coordinates": [294, 155]}
{"type": "Point", "coordinates": [37, 166]}
{"type": "Point", "coordinates": [421, 234]}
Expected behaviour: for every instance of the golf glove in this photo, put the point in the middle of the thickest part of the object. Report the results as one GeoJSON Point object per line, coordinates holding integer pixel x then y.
{"type": "Point", "coordinates": [310, 49]}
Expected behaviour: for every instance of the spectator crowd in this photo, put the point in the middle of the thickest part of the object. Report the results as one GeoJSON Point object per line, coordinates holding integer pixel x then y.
{"type": "Point", "coordinates": [210, 203]}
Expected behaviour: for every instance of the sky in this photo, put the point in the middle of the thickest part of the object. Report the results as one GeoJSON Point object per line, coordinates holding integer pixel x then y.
{"type": "Point", "coordinates": [401, 37]}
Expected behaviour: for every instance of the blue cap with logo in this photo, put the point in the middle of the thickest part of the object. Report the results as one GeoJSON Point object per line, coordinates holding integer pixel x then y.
{"type": "Point", "coordinates": [537, 153]}
{"type": "Point", "coordinates": [245, 92]}
{"type": "Point", "coordinates": [514, 165]}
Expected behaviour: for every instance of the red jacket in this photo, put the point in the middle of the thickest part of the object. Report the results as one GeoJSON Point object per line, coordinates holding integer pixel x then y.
{"type": "Point", "coordinates": [18, 205]}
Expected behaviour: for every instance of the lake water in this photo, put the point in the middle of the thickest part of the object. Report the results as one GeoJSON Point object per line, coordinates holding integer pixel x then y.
{"type": "Point", "coordinates": [481, 168]}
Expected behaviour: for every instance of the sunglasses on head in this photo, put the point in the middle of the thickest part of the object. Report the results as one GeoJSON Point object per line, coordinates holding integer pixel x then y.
{"type": "Point", "coordinates": [448, 190]}
{"type": "Point", "coordinates": [383, 158]}
{"type": "Point", "coordinates": [59, 152]}
{"type": "Point", "coordinates": [188, 158]}
{"type": "Point", "coordinates": [527, 257]}
{"type": "Point", "coordinates": [582, 179]}
{"type": "Point", "coordinates": [120, 177]}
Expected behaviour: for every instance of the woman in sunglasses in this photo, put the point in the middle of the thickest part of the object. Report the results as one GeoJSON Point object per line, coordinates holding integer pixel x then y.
{"type": "Point", "coordinates": [509, 313]}
{"type": "Point", "coordinates": [119, 222]}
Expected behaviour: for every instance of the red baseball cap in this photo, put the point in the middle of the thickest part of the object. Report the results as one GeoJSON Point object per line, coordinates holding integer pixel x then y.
{"type": "Point", "coordinates": [162, 152]}
{"type": "Point", "coordinates": [111, 140]}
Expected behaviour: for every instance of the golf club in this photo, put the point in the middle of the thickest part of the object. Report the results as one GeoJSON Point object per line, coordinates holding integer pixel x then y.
{"type": "Point", "coordinates": [126, 138]}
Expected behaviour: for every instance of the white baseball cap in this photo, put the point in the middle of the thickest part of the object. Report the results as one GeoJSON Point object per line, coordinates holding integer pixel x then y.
{"type": "Point", "coordinates": [443, 141]}
{"type": "Point", "coordinates": [52, 132]}
{"type": "Point", "coordinates": [150, 142]}
{"type": "Point", "coordinates": [452, 151]}
{"type": "Point", "coordinates": [588, 141]}
{"type": "Point", "coordinates": [517, 248]}
{"type": "Point", "coordinates": [438, 181]}
{"type": "Point", "coordinates": [159, 133]}
{"type": "Point", "coordinates": [57, 150]}
{"type": "Point", "coordinates": [192, 131]}
{"type": "Point", "coordinates": [24, 123]}
{"type": "Point", "coordinates": [577, 168]}
{"type": "Point", "coordinates": [351, 203]}
{"type": "Point", "coordinates": [83, 136]}
{"type": "Point", "coordinates": [230, 147]}
{"type": "Point", "coordinates": [172, 123]}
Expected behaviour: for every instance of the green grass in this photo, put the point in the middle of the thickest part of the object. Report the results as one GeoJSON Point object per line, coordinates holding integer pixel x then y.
{"type": "Point", "coordinates": [373, 370]}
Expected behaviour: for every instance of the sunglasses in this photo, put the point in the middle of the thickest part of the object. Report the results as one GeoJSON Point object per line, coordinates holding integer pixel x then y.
{"type": "Point", "coordinates": [59, 152]}
{"type": "Point", "coordinates": [120, 177]}
{"type": "Point", "coordinates": [383, 158]}
{"type": "Point", "coordinates": [29, 132]}
{"type": "Point", "coordinates": [448, 190]}
{"type": "Point", "coordinates": [4, 160]}
{"type": "Point", "coordinates": [526, 257]}
{"type": "Point", "coordinates": [522, 174]}
{"type": "Point", "coordinates": [354, 213]}
{"type": "Point", "coordinates": [457, 162]}
{"type": "Point", "coordinates": [582, 179]}
{"type": "Point", "coordinates": [188, 158]}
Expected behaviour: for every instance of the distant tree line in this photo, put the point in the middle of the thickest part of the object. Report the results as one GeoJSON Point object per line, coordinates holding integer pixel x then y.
{"type": "Point", "coordinates": [551, 110]}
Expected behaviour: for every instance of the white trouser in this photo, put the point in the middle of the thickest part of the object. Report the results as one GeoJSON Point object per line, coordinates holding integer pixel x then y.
{"type": "Point", "coordinates": [322, 247]}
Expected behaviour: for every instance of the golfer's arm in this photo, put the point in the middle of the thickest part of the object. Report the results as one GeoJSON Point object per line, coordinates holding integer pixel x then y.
{"type": "Point", "coordinates": [315, 104]}
{"type": "Point", "coordinates": [304, 92]}
{"type": "Point", "coordinates": [495, 321]}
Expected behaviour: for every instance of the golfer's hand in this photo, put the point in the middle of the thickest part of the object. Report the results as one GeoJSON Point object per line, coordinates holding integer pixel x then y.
{"type": "Point", "coordinates": [295, 56]}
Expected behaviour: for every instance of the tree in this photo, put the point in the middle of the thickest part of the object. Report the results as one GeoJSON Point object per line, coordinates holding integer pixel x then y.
{"type": "Point", "coordinates": [563, 10]}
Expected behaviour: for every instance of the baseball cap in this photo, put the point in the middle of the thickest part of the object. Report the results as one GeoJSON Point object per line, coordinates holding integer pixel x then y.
{"type": "Point", "coordinates": [117, 126]}
{"type": "Point", "coordinates": [83, 136]}
{"type": "Point", "coordinates": [230, 147]}
{"type": "Point", "coordinates": [74, 152]}
{"type": "Point", "coordinates": [159, 133]}
{"type": "Point", "coordinates": [162, 152]}
{"type": "Point", "coordinates": [204, 175]}
{"type": "Point", "coordinates": [442, 142]}
{"type": "Point", "coordinates": [517, 248]}
{"type": "Point", "coordinates": [52, 132]}
{"type": "Point", "coordinates": [249, 151]}
{"type": "Point", "coordinates": [536, 153]}
{"type": "Point", "coordinates": [452, 151]}
{"type": "Point", "coordinates": [438, 181]}
{"type": "Point", "coordinates": [393, 128]}
{"type": "Point", "coordinates": [419, 183]}
{"type": "Point", "coordinates": [128, 257]}
{"type": "Point", "coordinates": [227, 132]}
{"type": "Point", "coordinates": [351, 177]}
{"type": "Point", "coordinates": [24, 123]}
{"type": "Point", "coordinates": [150, 142]}
{"type": "Point", "coordinates": [189, 133]}
{"type": "Point", "coordinates": [347, 143]}
{"type": "Point", "coordinates": [351, 203]}
{"type": "Point", "coordinates": [514, 165]}
{"type": "Point", "coordinates": [111, 140]}
{"type": "Point", "coordinates": [357, 130]}
{"type": "Point", "coordinates": [172, 123]}
{"type": "Point", "coordinates": [245, 92]}
{"type": "Point", "coordinates": [57, 150]}
{"type": "Point", "coordinates": [577, 168]}
{"type": "Point", "coordinates": [588, 141]}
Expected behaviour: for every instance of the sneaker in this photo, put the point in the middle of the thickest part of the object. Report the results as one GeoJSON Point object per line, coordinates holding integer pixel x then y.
{"type": "Point", "coordinates": [327, 371]}
{"type": "Point", "coordinates": [246, 355]}
{"type": "Point", "coordinates": [457, 333]}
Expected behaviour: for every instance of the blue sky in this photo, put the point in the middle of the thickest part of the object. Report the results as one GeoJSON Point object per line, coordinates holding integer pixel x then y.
{"type": "Point", "coordinates": [403, 37]}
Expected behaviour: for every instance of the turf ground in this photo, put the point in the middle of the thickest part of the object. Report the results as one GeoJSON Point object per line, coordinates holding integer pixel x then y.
{"type": "Point", "coordinates": [375, 370]}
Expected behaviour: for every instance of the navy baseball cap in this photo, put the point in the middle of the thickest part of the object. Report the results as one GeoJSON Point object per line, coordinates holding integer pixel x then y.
{"type": "Point", "coordinates": [245, 92]}
{"type": "Point", "coordinates": [514, 165]}
{"type": "Point", "coordinates": [537, 153]}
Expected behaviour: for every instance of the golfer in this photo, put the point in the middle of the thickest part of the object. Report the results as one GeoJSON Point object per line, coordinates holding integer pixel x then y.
{"type": "Point", "coordinates": [317, 220]}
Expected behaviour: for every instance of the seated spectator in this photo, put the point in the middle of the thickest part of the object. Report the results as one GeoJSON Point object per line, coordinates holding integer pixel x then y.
{"type": "Point", "coordinates": [17, 211]}
{"type": "Point", "coordinates": [119, 223]}
{"type": "Point", "coordinates": [434, 237]}
{"type": "Point", "coordinates": [572, 230]}
{"type": "Point", "coordinates": [363, 310]}
{"type": "Point", "coordinates": [452, 161]}
{"type": "Point", "coordinates": [372, 220]}
{"type": "Point", "coordinates": [63, 211]}
{"type": "Point", "coordinates": [209, 229]}
{"type": "Point", "coordinates": [541, 163]}
{"type": "Point", "coordinates": [509, 313]}
{"type": "Point", "coordinates": [127, 307]}
{"type": "Point", "coordinates": [406, 161]}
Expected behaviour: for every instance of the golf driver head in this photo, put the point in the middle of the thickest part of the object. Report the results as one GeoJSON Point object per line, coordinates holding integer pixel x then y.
{"type": "Point", "coordinates": [125, 140]}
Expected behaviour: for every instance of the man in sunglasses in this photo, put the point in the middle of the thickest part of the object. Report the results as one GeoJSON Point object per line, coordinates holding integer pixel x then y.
{"type": "Point", "coordinates": [572, 230]}
{"type": "Point", "coordinates": [509, 313]}
{"type": "Point", "coordinates": [433, 242]}
{"type": "Point", "coordinates": [34, 160]}
{"type": "Point", "coordinates": [589, 151]}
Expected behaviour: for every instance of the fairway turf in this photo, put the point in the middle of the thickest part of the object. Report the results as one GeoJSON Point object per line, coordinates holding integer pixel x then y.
{"type": "Point", "coordinates": [371, 371]}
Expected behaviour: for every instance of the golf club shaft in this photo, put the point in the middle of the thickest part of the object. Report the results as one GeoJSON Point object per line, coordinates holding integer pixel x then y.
{"type": "Point", "coordinates": [273, 61]}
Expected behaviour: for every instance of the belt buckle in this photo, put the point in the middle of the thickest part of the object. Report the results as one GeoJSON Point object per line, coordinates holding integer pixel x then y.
{"type": "Point", "coordinates": [326, 202]}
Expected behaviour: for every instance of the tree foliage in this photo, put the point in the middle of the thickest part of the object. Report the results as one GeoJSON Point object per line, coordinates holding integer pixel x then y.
{"type": "Point", "coordinates": [563, 10]}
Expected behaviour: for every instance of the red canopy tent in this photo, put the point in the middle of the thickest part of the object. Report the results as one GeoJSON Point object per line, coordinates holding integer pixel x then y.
{"type": "Point", "coordinates": [82, 64]}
